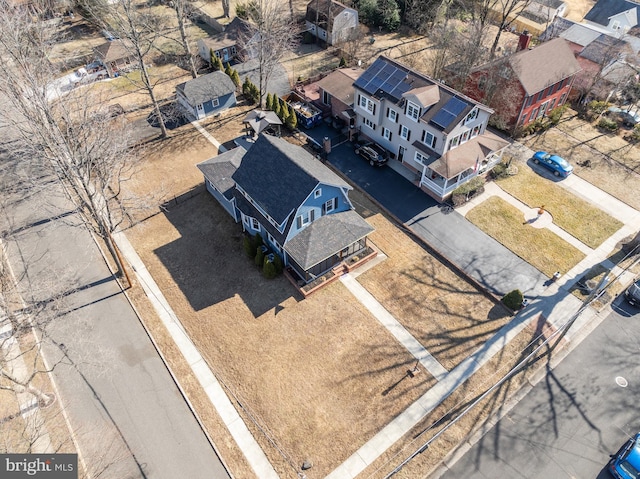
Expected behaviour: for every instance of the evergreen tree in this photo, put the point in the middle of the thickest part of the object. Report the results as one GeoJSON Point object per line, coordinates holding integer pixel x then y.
{"type": "Point", "coordinates": [291, 121]}
{"type": "Point", "coordinates": [235, 78]}
{"type": "Point", "coordinates": [245, 86]}
{"type": "Point", "coordinates": [268, 103]}
{"type": "Point", "coordinates": [228, 70]}
{"type": "Point", "coordinates": [276, 105]}
{"type": "Point", "coordinates": [343, 63]}
{"type": "Point", "coordinates": [284, 112]}
{"type": "Point", "coordinates": [212, 57]}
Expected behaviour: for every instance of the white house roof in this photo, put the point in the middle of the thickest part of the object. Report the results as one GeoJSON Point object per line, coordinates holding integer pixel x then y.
{"type": "Point", "coordinates": [582, 34]}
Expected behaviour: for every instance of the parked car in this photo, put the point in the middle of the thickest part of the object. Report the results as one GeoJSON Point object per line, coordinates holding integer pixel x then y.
{"type": "Point", "coordinates": [373, 153]}
{"type": "Point", "coordinates": [632, 294]}
{"type": "Point", "coordinates": [625, 464]}
{"type": "Point", "coordinates": [108, 35]}
{"type": "Point", "coordinates": [556, 164]}
{"type": "Point", "coordinates": [627, 118]}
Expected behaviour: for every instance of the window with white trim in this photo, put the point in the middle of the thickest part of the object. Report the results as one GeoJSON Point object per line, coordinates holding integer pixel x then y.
{"type": "Point", "coordinates": [420, 158]}
{"type": "Point", "coordinates": [305, 218]}
{"type": "Point", "coordinates": [473, 114]}
{"type": "Point", "coordinates": [329, 206]}
{"type": "Point", "coordinates": [476, 131]}
{"type": "Point", "coordinates": [455, 141]}
{"type": "Point", "coordinates": [215, 102]}
{"type": "Point", "coordinates": [386, 134]}
{"type": "Point", "coordinates": [255, 224]}
{"type": "Point", "coordinates": [405, 132]}
{"type": "Point", "coordinates": [428, 139]}
{"type": "Point", "coordinates": [317, 193]}
{"type": "Point", "coordinates": [367, 104]}
{"type": "Point", "coordinates": [369, 123]}
{"type": "Point", "coordinates": [392, 115]}
{"type": "Point", "coordinates": [413, 111]}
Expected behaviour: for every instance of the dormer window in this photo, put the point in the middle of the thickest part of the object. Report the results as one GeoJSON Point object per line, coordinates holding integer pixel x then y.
{"type": "Point", "coordinates": [317, 193]}
{"type": "Point", "coordinates": [471, 116]}
{"type": "Point", "coordinates": [413, 111]}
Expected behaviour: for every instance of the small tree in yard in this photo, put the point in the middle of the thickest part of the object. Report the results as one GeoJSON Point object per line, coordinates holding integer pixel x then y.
{"type": "Point", "coordinates": [291, 121]}
{"type": "Point", "coordinates": [276, 105]}
{"type": "Point", "coordinates": [277, 261]}
{"type": "Point", "coordinates": [268, 103]}
{"type": "Point", "coordinates": [513, 300]}
{"type": "Point", "coordinates": [269, 269]}
{"type": "Point", "coordinates": [284, 112]}
{"type": "Point", "coordinates": [228, 70]}
{"type": "Point", "coordinates": [216, 64]}
{"type": "Point", "coordinates": [235, 78]}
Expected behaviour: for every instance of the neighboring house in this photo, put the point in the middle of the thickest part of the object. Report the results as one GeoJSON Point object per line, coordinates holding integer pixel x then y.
{"type": "Point", "coordinates": [607, 61]}
{"type": "Point", "coordinates": [437, 136]}
{"type": "Point", "coordinates": [527, 85]}
{"type": "Point", "coordinates": [300, 208]}
{"type": "Point", "coordinates": [116, 56]}
{"type": "Point", "coordinates": [331, 21]}
{"type": "Point", "coordinates": [335, 91]}
{"type": "Point", "coordinates": [206, 95]}
{"type": "Point", "coordinates": [616, 16]}
{"type": "Point", "coordinates": [235, 43]}
{"type": "Point", "coordinates": [534, 15]}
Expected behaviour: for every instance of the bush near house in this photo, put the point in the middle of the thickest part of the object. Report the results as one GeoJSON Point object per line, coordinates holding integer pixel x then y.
{"type": "Point", "coordinates": [513, 300]}
{"type": "Point", "coordinates": [269, 269]}
{"type": "Point", "coordinates": [465, 192]}
{"type": "Point", "coordinates": [607, 125]}
{"type": "Point", "coordinates": [259, 258]}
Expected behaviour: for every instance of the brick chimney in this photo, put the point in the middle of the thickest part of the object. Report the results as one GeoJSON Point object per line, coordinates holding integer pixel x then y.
{"type": "Point", "coordinates": [524, 40]}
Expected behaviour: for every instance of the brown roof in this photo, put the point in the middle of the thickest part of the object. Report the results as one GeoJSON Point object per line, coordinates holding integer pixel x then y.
{"type": "Point", "coordinates": [114, 50]}
{"type": "Point", "coordinates": [339, 83]}
{"type": "Point", "coordinates": [427, 95]}
{"type": "Point", "coordinates": [455, 161]}
{"type": "Point", "coordinates": [544, 65]}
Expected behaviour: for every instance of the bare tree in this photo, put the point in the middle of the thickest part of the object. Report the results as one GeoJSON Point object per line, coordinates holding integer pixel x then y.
{"type": "Point", "coordinates": [139, 28]}
{"type": "Point", "coordinates": [73, 136]}
{"type": "Point", "coordinates": [182, 9]}
{"type": "Point", "coordinates": [226, 8]}
{"type": "Point", "coordinates": [507, 12]}
{"type": "Point", "coordinates": [273, 38]}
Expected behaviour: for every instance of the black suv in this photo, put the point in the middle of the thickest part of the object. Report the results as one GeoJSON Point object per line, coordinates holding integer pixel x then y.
{"type": "Point", "coordinates": [375, 154]}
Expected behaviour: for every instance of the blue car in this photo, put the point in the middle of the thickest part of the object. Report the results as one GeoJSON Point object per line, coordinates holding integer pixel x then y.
{"type": "Point", "coordinates": [625, 464]}
{"type": "Point", "coordinates": [556, 164]}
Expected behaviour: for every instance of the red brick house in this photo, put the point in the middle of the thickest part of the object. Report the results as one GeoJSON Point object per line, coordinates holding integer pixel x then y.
{"type": "Point", "coordinates": [526, 85]}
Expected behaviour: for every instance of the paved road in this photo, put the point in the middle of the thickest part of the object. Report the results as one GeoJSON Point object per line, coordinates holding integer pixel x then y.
{"type": "Point", "coordinates": [128, 415]}
{"type": "Point", "coordinates": [570, 422]}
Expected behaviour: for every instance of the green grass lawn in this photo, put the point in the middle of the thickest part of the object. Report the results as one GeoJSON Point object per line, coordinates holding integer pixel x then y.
{"type": "Point", "coordinates": [539, 247]}
{"type": "Point", "coordinates": [574, 215]}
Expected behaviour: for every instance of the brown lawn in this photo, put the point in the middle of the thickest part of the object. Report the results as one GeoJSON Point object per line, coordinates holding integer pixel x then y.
{"type": "Point", "coordinates": [443, 311]}
{"type": "Point", "coordinates": [321, 375]}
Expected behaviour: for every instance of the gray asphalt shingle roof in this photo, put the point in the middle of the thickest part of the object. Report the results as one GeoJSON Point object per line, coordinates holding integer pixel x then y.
{"type": "Point", "coordinates": [279, 176]}
{"type": "Point", "coordinates": [326, 236]}
{"type": "Point", "coordinates": [220, 169]}
{"type": "Point", "coordinates": [206, 87]}
{"type": "Point", "coordinates": [603, 10]}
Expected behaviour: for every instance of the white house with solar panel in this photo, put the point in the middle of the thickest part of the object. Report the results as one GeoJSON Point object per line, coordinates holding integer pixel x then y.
{"type": "Point", "coordinates": [437, 137]}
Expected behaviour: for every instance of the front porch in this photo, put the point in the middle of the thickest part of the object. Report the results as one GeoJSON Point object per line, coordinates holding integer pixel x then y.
{"type": "Point", "coordinates": [346, 265]}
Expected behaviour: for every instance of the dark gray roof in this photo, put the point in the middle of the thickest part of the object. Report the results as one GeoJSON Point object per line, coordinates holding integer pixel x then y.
{"type": "Point", "coordinates": [326, 236]}
{"type": "Point", "coordinates": [279, 176]}
{"type": "Point", "coordinates": [603, 10]}
{"type": "Point", "coordinates": [220, 169]}
{"type": "Point", "coordinates": [390, 80]}
{"type": "Point", "coordinates": [206, 87]}
{"type": "Point", "coordinates": [250, 210]}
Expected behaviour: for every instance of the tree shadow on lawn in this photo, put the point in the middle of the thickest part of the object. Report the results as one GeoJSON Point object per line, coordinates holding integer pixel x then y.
{"type": "Point", "coordinates": [208, 262]}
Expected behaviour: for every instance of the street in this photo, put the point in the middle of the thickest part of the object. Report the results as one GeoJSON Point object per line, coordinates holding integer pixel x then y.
{"type": "Point", "coordinates": [127, 414]}
{"type": "Point", "coordinates": [572, 420]}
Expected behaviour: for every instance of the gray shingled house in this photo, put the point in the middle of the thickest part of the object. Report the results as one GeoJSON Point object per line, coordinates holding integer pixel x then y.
{"type": "Point", "coordinates": [206, 95]}
{"type": "Point", "coordinates": [299, 206]}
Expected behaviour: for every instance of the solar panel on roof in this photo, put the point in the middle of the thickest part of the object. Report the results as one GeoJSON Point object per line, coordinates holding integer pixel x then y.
{"type": "Point", "coordinates": [455, 106]}
{"type": "Point", "coordinates": [443, 118]}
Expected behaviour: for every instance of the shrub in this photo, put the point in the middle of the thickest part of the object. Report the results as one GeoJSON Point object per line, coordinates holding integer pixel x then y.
{"type": "Point", "coordinates": [597, 107]}
{"type": "Point", "coordinates": [608, 125]}
{"type": "Point", "coordinates": [249, 247]}
{"type": "Point", "coordinates": [470, 186]}
{"type": "Point", "coordinates": [269, 269]}
{"type": "Point", "coordinates": [259, 259]}
{"type": "Point", "coordinates": [556, 114]}
{"type": "Point", "coordinates": [634, 137]}
{"type": "Point", "coordinates": [343, 63]}
{"type": "Point", "coordinates": [268, 102]}
{"type": "Point", "coordinates": [291, 121]}
{"type": "Point", "coordinates": [513, 300]}
{"type": "Point", "coordinates": [499, 171]}
{"type": "Point", "coordinates": [258, 240]}
{"type": "Point", "coordinates": [277, 262]}
{"type": "Point", "coordinates": [235, 77]}
{"type": "Point", "coordinates": [228, 70]}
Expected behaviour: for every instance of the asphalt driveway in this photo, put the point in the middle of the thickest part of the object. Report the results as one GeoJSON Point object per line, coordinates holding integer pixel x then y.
{"type": "Point", "coordinates": [481, 257]}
